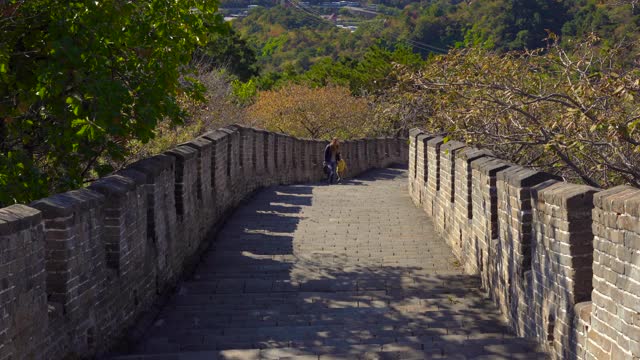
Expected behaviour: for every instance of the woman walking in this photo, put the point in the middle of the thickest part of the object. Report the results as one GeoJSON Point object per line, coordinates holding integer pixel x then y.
{"type": "Point", "coordinates": [331, 158]}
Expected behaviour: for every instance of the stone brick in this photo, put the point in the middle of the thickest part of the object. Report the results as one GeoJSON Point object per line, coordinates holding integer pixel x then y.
{"type": "Point", "coordinates": [86, 264]}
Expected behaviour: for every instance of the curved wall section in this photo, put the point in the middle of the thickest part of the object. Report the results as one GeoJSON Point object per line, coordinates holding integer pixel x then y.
{"type": "Point", "coordinates": [77, 269]}
{"type": "Point", "coordinates": [561, 260]}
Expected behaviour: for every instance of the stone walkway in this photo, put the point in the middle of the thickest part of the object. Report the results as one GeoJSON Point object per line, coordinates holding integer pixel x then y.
{"type": "Point", "coordinates": [346, 271]}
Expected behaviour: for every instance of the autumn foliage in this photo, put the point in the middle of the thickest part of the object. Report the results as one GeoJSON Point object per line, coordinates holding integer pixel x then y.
{"type": "Point", "coordinates": [574, 112]}
{"type": "Point", "coordinates": [307, 112]}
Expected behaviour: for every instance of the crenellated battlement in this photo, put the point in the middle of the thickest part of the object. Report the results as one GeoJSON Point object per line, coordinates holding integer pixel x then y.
{"type": "Point", "coordinates": [561, 260]}
{"type": "Point", "coordinates": [78, 269]}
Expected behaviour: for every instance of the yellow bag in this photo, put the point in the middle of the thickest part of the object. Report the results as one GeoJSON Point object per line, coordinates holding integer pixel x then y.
{"type": "Point", "coordinates": [342, 167]}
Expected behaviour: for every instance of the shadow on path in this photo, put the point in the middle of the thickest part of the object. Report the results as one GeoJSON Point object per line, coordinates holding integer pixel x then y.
{"type": "Point", "coordinates": [292, 274]}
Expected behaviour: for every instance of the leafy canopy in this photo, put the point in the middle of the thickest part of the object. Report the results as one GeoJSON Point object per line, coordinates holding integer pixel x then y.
{"type": "Point", "coordinates": [79, 79]}
{"type": "Point", "coordinates": [572, 112]}
{"type": "Point", "coordinates": [319, 113]}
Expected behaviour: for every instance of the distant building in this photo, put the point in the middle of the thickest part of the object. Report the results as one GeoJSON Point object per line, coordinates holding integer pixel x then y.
{"type": "Point", "coordinates": [339, 4]}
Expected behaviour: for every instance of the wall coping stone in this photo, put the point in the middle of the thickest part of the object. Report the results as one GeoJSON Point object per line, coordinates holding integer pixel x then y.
{"type": "Point", "coordinates": [536, 190]}
{"type": "Point", "coordinates": [632, 205]}
{"type": "Point", "coordinates": [471, 153]}
{"type": "Point", "coordinates": [415, 132]}
{"type": "Point", "coordinates": [489, 165]}
{"type": "Point", "coordinates": [215, 135]}
{"type": "Point", "coordinates": [114, 186]}
{"type": "Point", "coordinates": [422, 137]}
{"type": "Point", "coordinates": [153, 166]}
{"type": "Point", "coordinates": [613, 199]}
{"type": "Point", "coordinates": [228, 129]}
{"type": "Point", "coordinates": [523, 177]}
{"type": "Point", "coordinates": [18, 217]}
{"type": "Point", "coordinates": [182, 153]}
{"type": "Point", "coordinates": [568, 196]}
{"type": "Point", "coordinates": [137, 176]}
{"type": "Point", "coordinates": [66, 204]}
{"type": "Point", "coordinates": [240, 128]}
{"type": "Point", "coordinates": [452, 146]}
{"type": "Point", "coordinates": [199, 143]}
{"type": "Point", "coordinates": [436, 142]}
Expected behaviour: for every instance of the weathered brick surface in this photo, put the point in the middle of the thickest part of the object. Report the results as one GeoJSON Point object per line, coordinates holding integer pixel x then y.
{"type": "Point", "coordinates": [220, 170]}
{"type": "Point", "coordinates": [235, 173]}
{"type": "Point", "coordinates": [161, 221]}
{"type": "Point", "coordinates": [245, 149]}
{"type": "Point", "coordinates": [443, 215]}
{"type": "Point", "coordinates": [259, 157]}
{"type": "Point", "coordinates": [359, 152]}
{"type": "Point", "coordinates": [484, 222]}
{"type": "Point", "coordinates": [269, 155]}
{"type": "Point", "coordinates": [421, 169]}
{"type": "Point", "coordinates": [615, 323]}
{"type": "Point", "coordinates": [559, 259]}
{"type": "Point", "coordinates": [413, 166]}
{"type": "Point", "coordinates": [204, 190]}
{"type": "Point", "coordinates": [515, 241]}
{"type": "Point", "coordinates": [187, 203]}
{"type": "Point", "coordinates": [432, 184]}
{"type": "Point", "coordinates": [75, 255]}
{"type": "Point", "coordinates": [77, 269]}
{"type": "Point", "coordinates": [23, 300]}
{"type": "Point", "coordinates": [562, 259]}
{"type": "Point", "coordinates": [463, 240]}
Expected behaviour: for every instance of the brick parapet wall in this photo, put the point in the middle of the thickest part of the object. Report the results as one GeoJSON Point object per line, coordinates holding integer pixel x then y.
{"type": "Point", "coordinates": [462, 214]}
{"type": "Point", "coordinates": [484, 221]}
{"type": "Point", "coordinates": [444, 206]}
{"type": "Point", "coordinates": [514, 188]}
{"type": "Point", "coordinates": [24, 318]}
{"type": "Point", "coordinates": [81, 267]}
{"type": "Point", "coordinates": [615, 316]}
{"type": "Point", "coordinates": [431, 186]}
{"type": "Point", "coordinates": [562, 261]}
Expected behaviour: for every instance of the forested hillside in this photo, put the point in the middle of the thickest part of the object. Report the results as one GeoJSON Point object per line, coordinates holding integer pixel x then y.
{"type": "Point", "coordinates": [292, 38]}
{"type": "Point", "coordinates": [87, 87]}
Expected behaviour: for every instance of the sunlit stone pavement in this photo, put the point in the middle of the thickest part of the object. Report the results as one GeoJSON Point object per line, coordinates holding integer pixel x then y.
{"type": "Point", "coordinates": [346, 271]}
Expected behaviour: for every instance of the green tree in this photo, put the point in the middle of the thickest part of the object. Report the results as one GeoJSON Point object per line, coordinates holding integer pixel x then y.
{"type": "Point", "coordinates": [79, 79]}
{"type": "Point", "coordinates": [370, 74]}
{"type": "Point", "coordinates": [229, 51]}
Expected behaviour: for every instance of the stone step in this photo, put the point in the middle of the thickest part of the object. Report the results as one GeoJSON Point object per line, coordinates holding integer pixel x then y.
{"type": "Point", "coordinates": [211, 292]}
{"type": "Point", "coordinates": [200, 285]}
{"type": "Point", "coordinates": [363, 317]}
{"type": "Point", "coordinates": [321, 312]}
{"type": "Point", "coordinates": [222, 338]}
{"type": "Point", "coordinates": [321, 306]}
{"type": "Point", "coordinates": [269, 318]}
{"type": "Point", "coordinates": [362, 314]}
{"type": "Point", "coordinates": [259, 292]}
{"type": "Point", "coordinates": [489, 346]}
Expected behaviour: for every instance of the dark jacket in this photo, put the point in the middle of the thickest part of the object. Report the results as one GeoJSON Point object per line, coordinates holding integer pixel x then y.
{"type": "Point", "coordinates": [327, 154]}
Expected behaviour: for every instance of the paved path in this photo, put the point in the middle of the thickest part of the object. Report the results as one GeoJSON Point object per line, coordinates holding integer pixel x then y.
{"type": "Point", "coordinates": [331, 272]}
